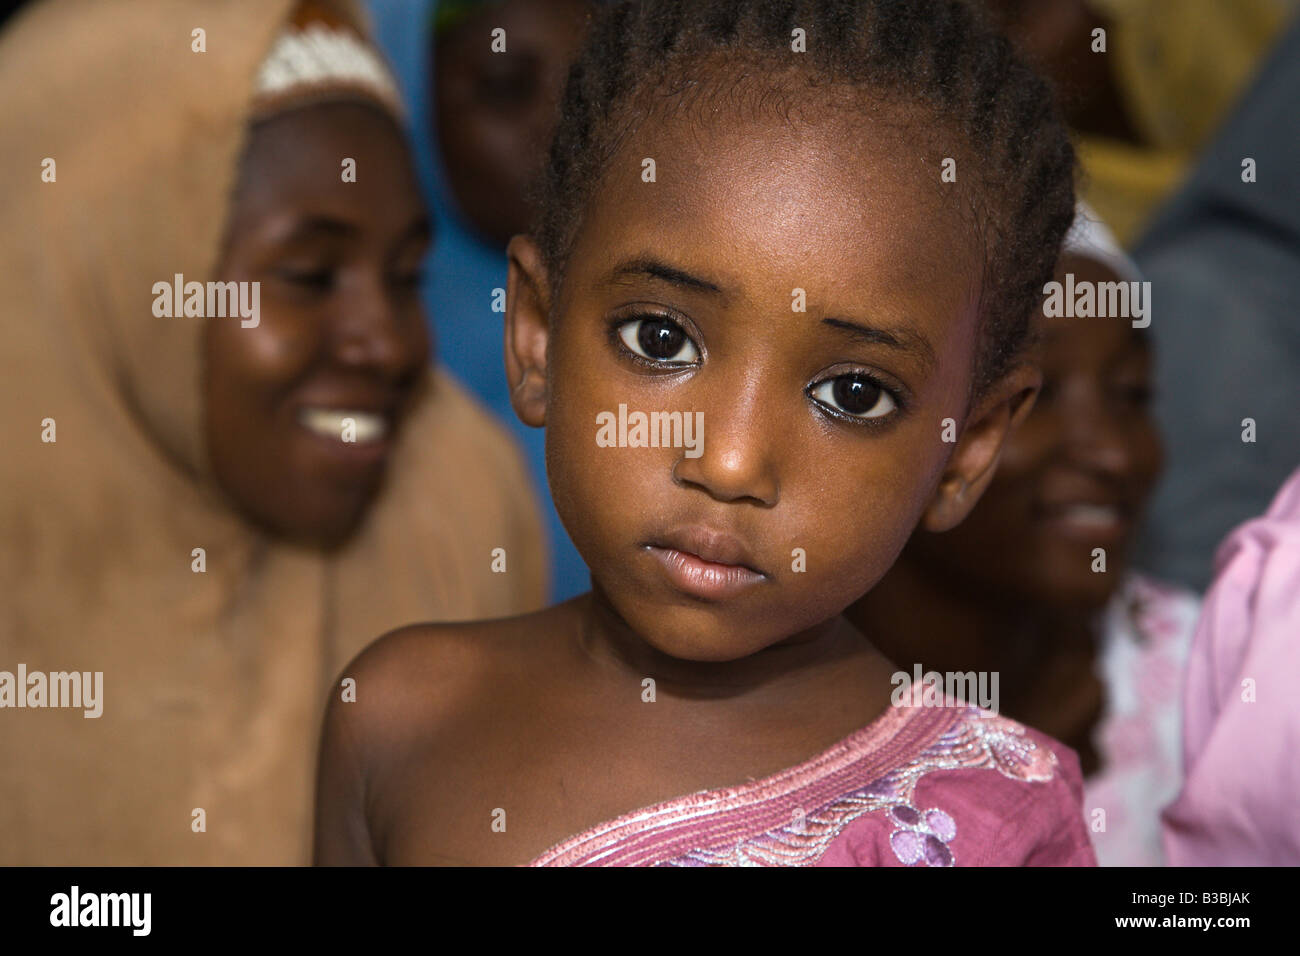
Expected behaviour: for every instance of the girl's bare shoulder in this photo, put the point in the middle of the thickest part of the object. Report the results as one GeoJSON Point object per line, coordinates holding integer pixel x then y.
{"type": "Point", "coordinates": [416, 678]}
{"type": "Point", "coordinates": [403, 715]}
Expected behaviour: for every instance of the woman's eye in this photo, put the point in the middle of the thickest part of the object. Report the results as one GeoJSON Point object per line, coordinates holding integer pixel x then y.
{"type": "Point", "coordinates": [1133, 391]}
{"type": "Point", "coordinates": [408, 280]}
{"type": "Point", "coordinates": [511, 87]}
{"type": "Point", "coordinates": [855, 395]}
{"type": "Point", "coordinates": [309, 278]}
{"type": "Point", "coordinates": [659, 340]}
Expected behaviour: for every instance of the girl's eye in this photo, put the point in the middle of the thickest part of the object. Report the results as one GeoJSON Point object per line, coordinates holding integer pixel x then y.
{"type": "Point", "coordinates": [855, 395]}
{"type": "Point", "coordinates": [659, 340]}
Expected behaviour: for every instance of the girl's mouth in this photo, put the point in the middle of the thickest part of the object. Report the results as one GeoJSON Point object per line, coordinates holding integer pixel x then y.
{"type": "Point", "coordinates": [706, 580]}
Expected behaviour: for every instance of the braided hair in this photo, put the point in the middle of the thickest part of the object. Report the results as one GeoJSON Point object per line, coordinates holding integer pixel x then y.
{"type": "Point", "coordinates": [938, 55]}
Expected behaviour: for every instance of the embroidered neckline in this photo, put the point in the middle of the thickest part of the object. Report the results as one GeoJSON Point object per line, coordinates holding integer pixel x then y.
{"type": "Point", "coordinates": [888, 724]}
{"type": "Point", "coordinates": [977, 740]}
{"type": "Point", "coordinates": [939, 734]}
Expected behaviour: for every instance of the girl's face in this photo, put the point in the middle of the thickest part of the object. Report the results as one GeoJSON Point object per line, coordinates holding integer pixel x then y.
{"type": "Point", "coordinates": [341, 333]}
{"type": "Point", "coordinates": [808, 295]}
{"type": "Point", "coordinates": [1074, 476]}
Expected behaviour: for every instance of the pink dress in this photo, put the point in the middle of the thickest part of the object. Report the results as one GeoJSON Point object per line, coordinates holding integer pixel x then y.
{"type": "Point", "coordinates": [1240, 801]}
{"type": "Point", "coordinates": [919, 786]}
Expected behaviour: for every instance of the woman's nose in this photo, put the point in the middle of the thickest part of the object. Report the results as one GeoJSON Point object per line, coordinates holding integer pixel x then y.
{"type": "Point", "coordinates": [1097, 435]}
{"type": "Point", "coordinates": [373, 332]}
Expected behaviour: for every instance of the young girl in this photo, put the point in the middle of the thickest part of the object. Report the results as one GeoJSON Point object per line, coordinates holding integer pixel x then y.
{"type": "Point", "coordinates": [814, 232]}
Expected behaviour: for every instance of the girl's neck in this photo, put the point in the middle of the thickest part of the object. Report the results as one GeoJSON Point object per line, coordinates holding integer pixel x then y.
{"type": "Point", "coordinates": [801, 661]}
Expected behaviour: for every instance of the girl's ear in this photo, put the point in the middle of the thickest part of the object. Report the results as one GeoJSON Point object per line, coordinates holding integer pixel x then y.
{"type": "Point", "coordinates": [528, 301]}
{"type": "Point", "coordinates": [974, 461]}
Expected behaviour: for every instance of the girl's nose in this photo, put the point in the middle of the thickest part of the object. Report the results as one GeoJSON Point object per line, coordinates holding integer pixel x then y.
{"type": "Point", "coordinates": [737, 459]}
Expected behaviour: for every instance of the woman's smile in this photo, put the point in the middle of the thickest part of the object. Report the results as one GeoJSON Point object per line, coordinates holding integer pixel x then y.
{"type": "Point", "coordinates": [347, 439]}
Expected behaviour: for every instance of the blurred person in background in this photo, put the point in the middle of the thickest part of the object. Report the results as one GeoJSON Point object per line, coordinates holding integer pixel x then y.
{"type": "Point", "coordinates": [1143, 109]}
{"type": "Point", "coordinates": [484, 120]}
{"type": "Point", "coordinates": [1223, 258]}
{"type": "Point", "coordinates": [1241, 714]}
{"type": "Point", "coordinates": [183, 510]}
{"type": "Point", "coordinates": [1091, 654]}
{"type": "Point", "coordinates": [1187, 136]}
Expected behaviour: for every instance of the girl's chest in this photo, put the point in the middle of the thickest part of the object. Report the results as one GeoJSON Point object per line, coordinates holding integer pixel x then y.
{"type": "Point", "coordinates": [505, 798]}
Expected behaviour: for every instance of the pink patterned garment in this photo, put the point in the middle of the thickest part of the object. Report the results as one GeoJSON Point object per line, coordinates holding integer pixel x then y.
{"type": "Point", "coordinates": [928, 786]}
{"type": "Point", "coordinates": [1146, 634]}
{"type": "Point", "coordinates": [1240, 802]}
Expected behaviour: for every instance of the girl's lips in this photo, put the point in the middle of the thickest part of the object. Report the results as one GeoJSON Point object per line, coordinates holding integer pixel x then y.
{"type": "Point", "coordinates": [704, 579]}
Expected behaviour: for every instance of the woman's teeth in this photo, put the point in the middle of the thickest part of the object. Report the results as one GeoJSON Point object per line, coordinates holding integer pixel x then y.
{"type": "Point", "coordinates": [1091, 515]}
{"type": "Point", "coordinates": [344, 424]}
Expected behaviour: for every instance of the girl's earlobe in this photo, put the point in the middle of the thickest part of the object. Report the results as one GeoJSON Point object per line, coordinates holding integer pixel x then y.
{"type": "Point", "coordinates": [974, 462]}
{"type": "Point", "coordinates": [527, 329]}
{"type": "Point", "coordinates": [948, 507]}
{"type": "Point", "coordinates": [528, 398]}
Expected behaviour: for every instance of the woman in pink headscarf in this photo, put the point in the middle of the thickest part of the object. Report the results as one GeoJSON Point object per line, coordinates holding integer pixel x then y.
{"type": "Point", "coordinates": [1240, 803]}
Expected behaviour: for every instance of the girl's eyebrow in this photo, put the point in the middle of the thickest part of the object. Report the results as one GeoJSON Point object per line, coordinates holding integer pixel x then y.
{"type": "Point", "coordinates": [645, 265]}
{"type": "Point", "coordinates": [904, 340]}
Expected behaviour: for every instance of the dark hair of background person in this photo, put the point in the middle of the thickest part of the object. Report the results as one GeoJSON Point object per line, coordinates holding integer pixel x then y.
{"type": "Point", "coordinates": [8, 8]}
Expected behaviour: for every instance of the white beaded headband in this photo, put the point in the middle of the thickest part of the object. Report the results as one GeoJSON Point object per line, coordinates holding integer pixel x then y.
{"type": "Point", "coordinates": [1089, 237]}
{"type": "Point", "coordinates": [318, 62]}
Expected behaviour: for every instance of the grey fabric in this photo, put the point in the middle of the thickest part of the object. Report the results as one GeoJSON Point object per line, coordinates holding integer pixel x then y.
{"type": "Point", "coordinates": [1223, 258]}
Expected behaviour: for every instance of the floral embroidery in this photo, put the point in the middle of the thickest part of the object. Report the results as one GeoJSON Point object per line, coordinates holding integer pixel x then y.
{"type": "Point", "coordinates": [1011, 752]}
{"type": "Point", "coordinates": [922, 836]}
{"type": "Point", "coordinates": [977, 740]}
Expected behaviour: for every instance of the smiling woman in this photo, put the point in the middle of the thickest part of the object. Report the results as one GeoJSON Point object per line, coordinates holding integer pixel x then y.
{"type": "Point", "coordinates": [216, 515]}
{"type": "Point", "coordinates": [343, 343]}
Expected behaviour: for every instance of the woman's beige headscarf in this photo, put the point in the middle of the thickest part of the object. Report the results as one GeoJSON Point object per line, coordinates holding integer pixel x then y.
{"type": "Point", "coordinates": [213, 682]}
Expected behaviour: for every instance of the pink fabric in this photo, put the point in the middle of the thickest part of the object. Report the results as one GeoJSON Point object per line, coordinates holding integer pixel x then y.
{"type": "Point", "coordinates": [1240, 804]}
{"type": "Point", "coordinates": [1146, 636]}
{"type": "Point", "coordinates": [936, 786]}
